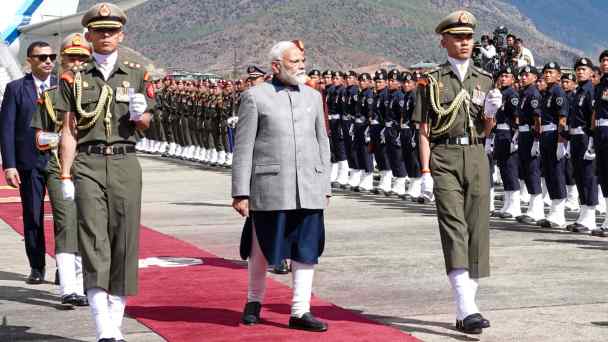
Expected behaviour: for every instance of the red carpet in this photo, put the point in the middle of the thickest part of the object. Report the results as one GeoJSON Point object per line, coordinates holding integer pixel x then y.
{"type": "Point", "coordinates": [204, 302]}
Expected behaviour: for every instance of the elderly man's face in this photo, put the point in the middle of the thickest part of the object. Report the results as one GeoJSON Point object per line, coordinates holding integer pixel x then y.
{"type": "Point", "coordinates": [292, 68]}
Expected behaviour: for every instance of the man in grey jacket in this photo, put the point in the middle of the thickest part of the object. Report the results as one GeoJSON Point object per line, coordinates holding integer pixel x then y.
{"type": "Point", "coordinates": [280, 180]}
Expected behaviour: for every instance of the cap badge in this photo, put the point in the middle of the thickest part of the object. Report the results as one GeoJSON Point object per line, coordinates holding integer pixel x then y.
{"type": "Point", "coordinates": [104, 10]}
{"type": "Point", "coordinates": [464, 18]}
{"type": "Point", "coordinates": [77, 40]}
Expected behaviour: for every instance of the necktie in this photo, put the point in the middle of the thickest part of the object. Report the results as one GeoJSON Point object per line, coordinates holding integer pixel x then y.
{"type": "Point", "coordinates": [42, 88]}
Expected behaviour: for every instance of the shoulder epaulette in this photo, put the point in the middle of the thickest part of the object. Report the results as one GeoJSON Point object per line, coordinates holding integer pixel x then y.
{"type": "Point", "coordinates": [132, 65]}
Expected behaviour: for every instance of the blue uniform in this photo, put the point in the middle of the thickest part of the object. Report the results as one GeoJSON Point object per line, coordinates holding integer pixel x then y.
{"type": "Point", "coordinates": [554, 106]}
{"type": "Point", "coordinates": [529, 108]}
{"type": "Point", "coordinates": [409, 137]}
{"type": "Point", "coordinates": [569, 167]}
{"type": "Point", "coordinates": [579, 121]}
{"type": "Point", "coordinates": [381, 102]}
{"type": "Point", "coordinates": [507, 161]}
{"type": "Point", "coordinates": [392, 130]}
{"type": "Point", "coordinates": [601, 132]}
{"type": "Point", "coordinates": [349, 103]}
{"type": "Point", "coordinates": [334, 107]}
{"type": "Point", "coordinates": [363, 112]}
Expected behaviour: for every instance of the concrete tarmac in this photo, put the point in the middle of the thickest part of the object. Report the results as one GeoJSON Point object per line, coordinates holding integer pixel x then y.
{"type": "Point", "coordinates": [382, 258]}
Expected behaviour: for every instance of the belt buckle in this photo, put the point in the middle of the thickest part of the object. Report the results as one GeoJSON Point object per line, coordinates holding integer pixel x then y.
{"type": "Point", "coordinates": [108, 151]}
{"type": "Point", "coordinates": [463, 141]}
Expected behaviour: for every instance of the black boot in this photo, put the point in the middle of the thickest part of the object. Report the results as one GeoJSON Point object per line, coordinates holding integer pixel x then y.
{"type": "Point", "coordinates": [307, 322]}
{"type": "Point", "coordinates": [251, 313]}
{"type": "Point", "coordinates": [282, 268]}
{"type": "Point", "coordinates": [472, 324]}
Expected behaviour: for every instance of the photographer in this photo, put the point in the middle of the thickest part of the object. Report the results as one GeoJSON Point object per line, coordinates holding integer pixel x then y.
{"type": "Point", "coordinates": [524, 55]}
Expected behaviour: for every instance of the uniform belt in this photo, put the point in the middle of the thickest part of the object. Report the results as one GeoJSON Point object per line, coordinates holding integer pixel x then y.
{"type": "Point", "coordinates": [549, 127]}
{"type": "Point", "coordinates": [601, 122]}
{"type": "Point", "coordinates": [503, 126]}
{"type": "Point", "coordinates": [576, 131]}
{"type": "Point", "coordinates": [334, 116]}
{"type": "Point", "coordinates": [360, 120]}
{"type": "Point", "coordinates": [457, 141]}
{"type": "Point", "coordinates": [524, 128]}
{"type": "Point", "coordinates": [404, 126]}
{"type": "Point", "coordinates": [106, 150]}
{"type": "Point", "coordinates": [375, 122]}
{"type": "Point", "coordinates": [389, 124]}
{"type": "Point", "coordinates": [347, 117]}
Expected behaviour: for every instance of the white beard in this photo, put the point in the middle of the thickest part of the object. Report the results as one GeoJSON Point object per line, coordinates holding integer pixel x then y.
{"type": "Point", "coordinates": [292, 79]}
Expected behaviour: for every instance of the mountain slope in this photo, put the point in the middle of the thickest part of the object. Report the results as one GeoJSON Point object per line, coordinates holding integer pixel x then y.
{"type": "Point", "coordinates": [576, 23]}
{"type": "Point", "coordinates": [207, 34]}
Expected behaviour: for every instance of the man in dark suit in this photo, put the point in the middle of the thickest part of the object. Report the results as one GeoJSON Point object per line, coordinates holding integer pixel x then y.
{"type": "Point", "coordinates": [23, 164]}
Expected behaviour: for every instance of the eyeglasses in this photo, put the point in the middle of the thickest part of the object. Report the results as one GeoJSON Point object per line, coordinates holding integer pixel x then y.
{"type": "Point", "coordinates": [43, 58]}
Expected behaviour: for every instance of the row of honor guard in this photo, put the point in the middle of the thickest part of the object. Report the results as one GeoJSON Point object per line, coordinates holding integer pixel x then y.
{"type": "Point", "coordinates": [542, 147]}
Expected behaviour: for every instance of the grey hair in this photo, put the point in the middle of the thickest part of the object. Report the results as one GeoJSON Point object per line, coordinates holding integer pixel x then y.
{"type": "Point", "coordinates": [277, 51]}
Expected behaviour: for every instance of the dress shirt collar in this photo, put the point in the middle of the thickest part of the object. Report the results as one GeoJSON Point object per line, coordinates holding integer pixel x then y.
{"type": "Point", "coordinates": [459, 66]}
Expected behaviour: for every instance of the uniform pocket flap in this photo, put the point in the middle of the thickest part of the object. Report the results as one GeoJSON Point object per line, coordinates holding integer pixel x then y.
{"type": "Point", "coordinates": [267, 169]}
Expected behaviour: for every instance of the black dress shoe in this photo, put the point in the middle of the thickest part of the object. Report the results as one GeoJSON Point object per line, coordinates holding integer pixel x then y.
{"type": "Point", "coordinates": [472, 324]}
{"type": "Point", "coordinates": [81, 301]}
{"type": "Point", "coordinates": [485, 323]}
{"type": "Point", "coordinates": [68, 299]}
{"type": "Point", "coordinates": [406, 197]}
{"type": "Point", "coordinates": [57, 277]}
{"type": "Point", "coordinates": [282, 268]}
{"type": "Point", "coordinates": [505, 216]}
{"type": "Point", "coordinates": [251, 313]}
{"type": "Point", "coordinates": [307, 322]}
{"type": "Point", "coordinates": [577, 228]}
{"type": "Point", "coordinates": [107, 340]}
{"type": "Point", "coordinates": [525, 219]}
{"type": "Point", "coordinates": [335, 185]}
{"type": "Point", "coordinates": [602, 232]}
{"type": "Point", "coordinates": [36, 277]}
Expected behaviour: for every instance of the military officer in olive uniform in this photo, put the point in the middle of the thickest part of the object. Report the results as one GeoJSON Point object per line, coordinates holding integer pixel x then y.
{"type": "Point", "coordinates": [455, 111]}
{"type": "Point", "coordinates": [103, 103]}
{"type": "Point", "coordinates": [74, 51]}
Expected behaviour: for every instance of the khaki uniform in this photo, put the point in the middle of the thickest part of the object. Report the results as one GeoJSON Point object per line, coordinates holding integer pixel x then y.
{"type": "Point", "coordinates": [460, 172]}
{"type": "Point", "coordinates": [107, 176]}
{"type": "Point", "coordinates": [64, 211]}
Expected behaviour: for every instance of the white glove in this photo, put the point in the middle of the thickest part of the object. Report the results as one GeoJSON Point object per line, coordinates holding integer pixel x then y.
{"type": "Point", "coordinates": [232, 121]}
{"type": "Point", "coordinates": [561, 151]}
{"type": "Point", "coordinates": [67, 188]}
{"type": "Point", "coordinates": [535, 151]}
{"type": "Point", "coordinates": [489, 145]}
{"type": "Point", "coordinates": [567, 155]}
{"type": "Point", "coordinates": [492, 102]}
{"type": "Point", "coordinates": [426, 186]}
{"type": "Point", "coordinates": [137, 106]}
{"type": "Point", "coordinates": [515, 142]}
{"type": "Point", "coordinates": [382, 136]}
{"type": "Point", "coordinates": [590, 152]}
{"type": "Point", "coordinates": [48, 139]}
